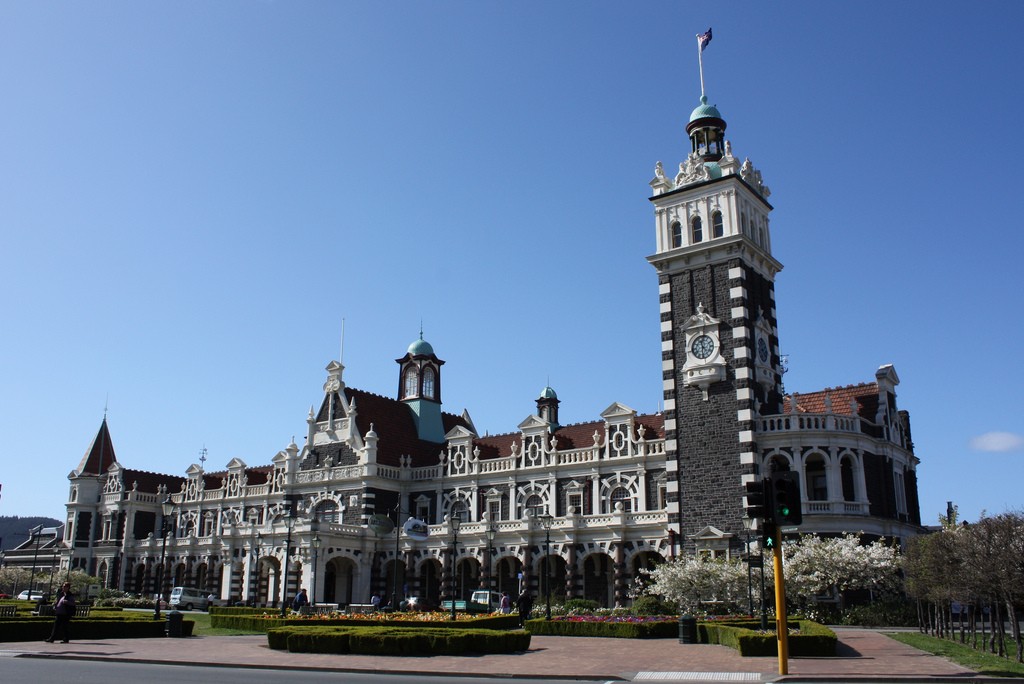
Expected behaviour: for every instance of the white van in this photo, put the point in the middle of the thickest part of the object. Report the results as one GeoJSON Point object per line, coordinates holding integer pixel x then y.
{"type": "Point", "coordinates": [184, 598]}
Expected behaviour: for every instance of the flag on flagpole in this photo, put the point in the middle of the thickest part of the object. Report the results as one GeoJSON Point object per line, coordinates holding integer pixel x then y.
{"type": "Point", "coordinates": [704, 39]}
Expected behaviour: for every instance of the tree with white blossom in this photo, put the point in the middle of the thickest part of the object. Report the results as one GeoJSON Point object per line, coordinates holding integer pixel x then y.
{"type": "Point", "coordinates": [695, 583]}
{"type": "Point", "coordinates": [817, 566]}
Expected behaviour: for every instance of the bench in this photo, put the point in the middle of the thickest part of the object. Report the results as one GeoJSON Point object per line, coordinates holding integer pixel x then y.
{"type": "Point", "coordinates": [8, 611]}
{"type": "Point", "coordinates": [362, 608]}
{"type": "Point", "coordinates": [47, 611]}
{"type": "Point", "coordinates": [319, 609]}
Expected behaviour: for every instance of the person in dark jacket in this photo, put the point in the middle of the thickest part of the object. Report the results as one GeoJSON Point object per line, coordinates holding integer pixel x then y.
{"type": "Point", "coordinates": [301, 600]}
{"type": "Point", "coordinates": [63, 610]}
{"type": "Point", "coordinates": [525, 604]}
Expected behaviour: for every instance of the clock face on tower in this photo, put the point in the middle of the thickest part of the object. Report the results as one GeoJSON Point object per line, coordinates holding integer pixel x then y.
{"type": "Point", "coordinates": [702, 347]}
{"type": "Point", "coordinates": [762, 350]}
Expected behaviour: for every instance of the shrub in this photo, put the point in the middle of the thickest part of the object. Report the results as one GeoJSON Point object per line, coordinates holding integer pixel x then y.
{"type": "Point", "coordinates": [652, 605]}
{"type": "Point", "coordinates": [578, 605]}
{"type": "Point", "coordinates": [881, 614]}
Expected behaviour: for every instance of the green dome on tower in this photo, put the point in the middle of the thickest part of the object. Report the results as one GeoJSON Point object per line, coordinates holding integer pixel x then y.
{"type": "Point", "coordinates": [547, 393]}
{"type": "Point", "coordinates": [420, 348]}
{"type": "Point", "coordinates": [705, 111]}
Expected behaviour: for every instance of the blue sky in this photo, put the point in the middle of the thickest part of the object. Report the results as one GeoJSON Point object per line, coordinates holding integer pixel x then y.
{"type": "Point", "coordinates": [195, 194]}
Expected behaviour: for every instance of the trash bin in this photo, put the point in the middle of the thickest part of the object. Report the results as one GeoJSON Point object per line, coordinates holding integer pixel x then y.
{"type": "Point", "coordinates": [174, 624]}
{"type": "Point", "coordinates": [687, 629]}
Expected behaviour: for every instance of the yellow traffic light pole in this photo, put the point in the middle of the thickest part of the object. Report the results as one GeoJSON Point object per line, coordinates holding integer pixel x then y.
{"type": "Point", "coordinates": [781, 624]}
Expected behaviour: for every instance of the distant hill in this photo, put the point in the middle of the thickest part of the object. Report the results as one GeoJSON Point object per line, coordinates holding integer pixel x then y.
{"type": "Point", "coordinates": [14, 530]}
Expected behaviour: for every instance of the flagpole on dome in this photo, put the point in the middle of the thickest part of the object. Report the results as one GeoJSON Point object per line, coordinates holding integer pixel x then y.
{"type": "Point", "coordinates": [702, 42]}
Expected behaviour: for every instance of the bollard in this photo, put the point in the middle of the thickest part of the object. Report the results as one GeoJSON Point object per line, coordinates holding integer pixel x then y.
{"type": "Point", "coordinates": [687, 629]}
{"type": "Point", "coordinates": [174, 619]}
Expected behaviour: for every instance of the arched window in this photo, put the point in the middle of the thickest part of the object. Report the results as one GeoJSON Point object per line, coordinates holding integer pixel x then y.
{"type": "Point", "coordinates": [743, 224]}
{"type": "Point", "coordinates": [620, 494]}
{"type": "Point", "coordinates": [717, 228]}
{"type": "Point", "coordinates": [460, 510]}
{"type": "Point", "coordinates": [696, 230]}
{"type": "Point", "coordinates": [533, 504]}
{"type": "Point", "coordinates": [411, 382]}
{"type": "Point", "coordinates": [428, 382]}
{"type": "Point", "coordinates": [677, 234]}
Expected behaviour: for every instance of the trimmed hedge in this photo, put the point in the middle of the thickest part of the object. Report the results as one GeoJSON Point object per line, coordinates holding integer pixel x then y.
{"type": "Point", "coordinates": [620, 630]}
{"type": "Point", "coordinates": [391, 640]}
{"type": "Point", "coordinates": [93, 627]}
{"type": "Point", "coordinates": [253, 620]}
{"type": "Point", "coordinates": [812, 640]}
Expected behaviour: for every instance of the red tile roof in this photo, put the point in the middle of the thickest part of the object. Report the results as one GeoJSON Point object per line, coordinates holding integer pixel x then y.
{"type": "Point", "coordinates": [865, 395]}
{"type": "Point", "coordinates": [575, 436]}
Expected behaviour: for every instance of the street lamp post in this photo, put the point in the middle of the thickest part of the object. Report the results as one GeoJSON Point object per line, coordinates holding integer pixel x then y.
{"type": "Point", "coordinates": [35, 531]}
{"type": "Point", "coordinates": [168, 510]}
{"type": "Point", "coordinates": [315, 543]}
{"type": "Point", "coordinates": [254, 552]}
{"type": "Point", "coordinates": [287, 555]}
{"type": "Point", "coordinates": [490, 571]}
{"type": "Point", "coordinates": [546, 520]}
{"type": "Point", "coordinates": [456, 522]}
{"type": "Point", "coordinates": [747, 524]}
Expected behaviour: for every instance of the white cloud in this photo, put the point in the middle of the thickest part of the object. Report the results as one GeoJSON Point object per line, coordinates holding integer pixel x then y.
{"type": "Point", "coordinates": [998, 441]}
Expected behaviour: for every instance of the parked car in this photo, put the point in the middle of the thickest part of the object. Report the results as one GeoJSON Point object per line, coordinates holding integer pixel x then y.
{"type": "Point", "coordinates": [188, 599]}
{"type": "Point", "coordinates": [34, 596]}
{"type": "Point", "coordinates": [4, 596]}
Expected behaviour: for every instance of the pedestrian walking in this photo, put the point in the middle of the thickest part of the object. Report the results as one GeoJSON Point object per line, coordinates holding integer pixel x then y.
{"type": "Point", "coordinates": [525, 605]}
{"type": "Point", "coordinates": [63, 611]}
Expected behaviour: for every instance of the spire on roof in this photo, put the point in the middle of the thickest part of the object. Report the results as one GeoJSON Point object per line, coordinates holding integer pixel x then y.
{"type": "Point", "coordinates": [100, 454]}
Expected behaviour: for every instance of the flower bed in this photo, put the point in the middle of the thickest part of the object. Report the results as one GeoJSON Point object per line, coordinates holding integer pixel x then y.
{"type": "Point", "coordinates": [260, 620]}
{"type": "Point", "coordinates": [618, 626]}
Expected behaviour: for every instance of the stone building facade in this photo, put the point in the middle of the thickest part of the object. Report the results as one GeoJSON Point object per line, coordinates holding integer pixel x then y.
{"type": "Point", "coordinates": [574, 510]}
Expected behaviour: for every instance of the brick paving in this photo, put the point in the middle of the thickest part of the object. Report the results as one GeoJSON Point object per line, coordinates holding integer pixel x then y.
{"type": "Point", "coordinates": [862, 653]}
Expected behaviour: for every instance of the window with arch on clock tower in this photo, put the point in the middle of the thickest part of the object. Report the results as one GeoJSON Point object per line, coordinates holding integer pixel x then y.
{"type": "Point", "coordinates": [428, 382]}
{"type": "Point", "coordinates": [411, 383]}
{"type": "Point", "coordinates": [696, 229]}
{"type": "Point", "coordinates": [677, 234]}
{"type": "Point", "coordinates": [717, 228]}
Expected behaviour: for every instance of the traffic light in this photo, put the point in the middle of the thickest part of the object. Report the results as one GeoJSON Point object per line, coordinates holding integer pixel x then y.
{"type": "Point", "coordinates": [769, 535]}
{"type": "Point", "coordinates": [785, 491]}
{"type": "Point", "coordinates": [756, 506]}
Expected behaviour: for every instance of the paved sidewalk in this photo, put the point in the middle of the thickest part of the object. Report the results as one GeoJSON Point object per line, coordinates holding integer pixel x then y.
{"type": "Point", "coordinates": [862, 653]}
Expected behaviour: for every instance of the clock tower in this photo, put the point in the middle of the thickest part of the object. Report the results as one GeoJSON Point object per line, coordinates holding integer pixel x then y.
{"type": "Point", "coordinates": [720, 354]}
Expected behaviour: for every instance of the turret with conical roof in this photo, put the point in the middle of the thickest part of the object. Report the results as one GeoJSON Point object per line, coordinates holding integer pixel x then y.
{"type": "Point", "coordinates": [706, 129]}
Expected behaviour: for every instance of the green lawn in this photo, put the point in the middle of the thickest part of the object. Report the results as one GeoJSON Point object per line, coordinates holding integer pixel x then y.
{"type": "Point", "coordinates": [983, 663]}
{"type": "Point", "coordinates": [203, 628]}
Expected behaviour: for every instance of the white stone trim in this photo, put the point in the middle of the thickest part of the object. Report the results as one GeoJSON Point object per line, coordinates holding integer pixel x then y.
{"type": "Point", "coordinates": [666, 326]}
{"type": "Point", "coordinates": [740, 332]}
{"type": "Point", "coordinates": [740, 352]}
{"type": "Point", "coordinates": [746, 436]}
{"type": "Point", "coordinates": [747, 458]}
{"type": "Point", "coordinates": [742, 373]}
{"type": "Point", "coordinates": [744, 394]}
{"type": "Point", "coordinates": [735, 272]}
{"type": "Point", "coordinates": [665, 307]}
{"type": "Point", "coordinates": [666, 345]}
{"type": "Point", "coordinates": [737, 293]}
{"type": "Point", "coordinates": [670, 404]}
{"type": "Point", "coordinates": [664, 288]}
{"type": "Point", "coordinates": [738, 312]}
{"type": "Point", "coordinates": [745, 414]}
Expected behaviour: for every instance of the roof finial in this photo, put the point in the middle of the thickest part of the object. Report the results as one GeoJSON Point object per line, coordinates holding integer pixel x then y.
{"type": "Point", "coordinates": [202, 456]}
{"type": "Point", "coordinates": [421, 328]}
{"type": "Point", "coordinates": [106, 403]}
{"type": "Point", "coordinates": [341, 352]}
